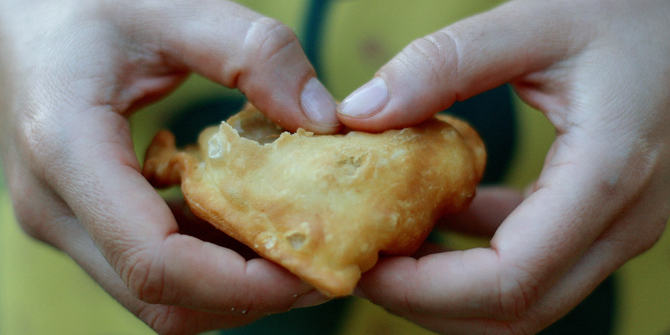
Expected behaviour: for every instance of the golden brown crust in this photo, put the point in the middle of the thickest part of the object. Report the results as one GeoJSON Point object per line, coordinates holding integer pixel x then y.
{"type": "Point", "coordinates": [323, 206]}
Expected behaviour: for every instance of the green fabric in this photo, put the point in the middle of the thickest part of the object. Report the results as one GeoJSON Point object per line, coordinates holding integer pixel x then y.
{"type": "Point", "coordinates": [324, 319]}
{"type": "Point", "coordinates": [2, 177]}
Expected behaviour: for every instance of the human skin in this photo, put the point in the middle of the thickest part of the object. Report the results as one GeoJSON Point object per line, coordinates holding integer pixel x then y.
{"type": "Point", "coordinates": [71, 73]}
{"type": "Point", "coordinates": [600, 72]}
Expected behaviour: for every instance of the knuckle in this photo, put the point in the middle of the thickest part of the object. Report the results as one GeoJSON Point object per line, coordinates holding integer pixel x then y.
{"type": "Point", "coordinates": [144, 276]}
{"type": "Point", "coordinates": [37, 141]}
{"type": "Point", "coordinates": [26, 216]}
{"type": "Point", "coordinates": [428, 50]}
{"type": "Point", "coordinates": [37, 209]}
{"type": "Point", "coordinates": [517, 292]}
{"type": "Point", "coordinates": [434, 53]}
{"type": "Point", "coordinates": [409, 304]}
{"type": "Point", "coordinates": [270, 38]}
{"type": "Point", "coordinates": [43, 228]}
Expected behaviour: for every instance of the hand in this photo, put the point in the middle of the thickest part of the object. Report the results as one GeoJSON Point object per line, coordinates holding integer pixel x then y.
{"type": "Point", "coordinates": [71, 72]}
{"type": "Point", "coordinates": [600, 72]}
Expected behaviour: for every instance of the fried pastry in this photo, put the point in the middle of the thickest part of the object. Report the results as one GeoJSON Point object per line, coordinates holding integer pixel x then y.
{"type": "Point", "coordinates": [323, 206]}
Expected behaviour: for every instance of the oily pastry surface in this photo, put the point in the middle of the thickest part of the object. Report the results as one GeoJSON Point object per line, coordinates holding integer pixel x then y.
{"type": "Point", "coordinates": [323, 206]}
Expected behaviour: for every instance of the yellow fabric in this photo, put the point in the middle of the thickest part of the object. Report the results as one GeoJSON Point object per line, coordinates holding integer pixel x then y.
{"type": "Point", "coordinates": [44, 292]}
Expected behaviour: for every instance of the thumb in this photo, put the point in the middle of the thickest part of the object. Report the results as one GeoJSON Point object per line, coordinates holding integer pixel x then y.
{"type": "Point", "coordinates": [462, 60]}
{"type": "Point", "coordinates": [238, 48]}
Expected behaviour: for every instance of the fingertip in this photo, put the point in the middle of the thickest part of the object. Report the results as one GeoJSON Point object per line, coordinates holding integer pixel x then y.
{"type": "Point", "coordinates": [205, 276]}
{"type": "Point", "coordinates": [363, 108]}
{"type": "Point", "coordinates": [319, 107]}
{"type": "Point", "coordinates": [366, 101]}
{"type": "Point", "coordinates": [308, 106]}
{"type": "Point", "coordinates": [384, 103]}
{"type": "Point", "coordinates": [310, 299]}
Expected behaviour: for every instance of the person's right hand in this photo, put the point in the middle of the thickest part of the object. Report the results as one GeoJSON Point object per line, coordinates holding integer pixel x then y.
{"type": "Point", "coordinates": [71, 73]}
{"type": "Point", "coordinates": [599, 70]}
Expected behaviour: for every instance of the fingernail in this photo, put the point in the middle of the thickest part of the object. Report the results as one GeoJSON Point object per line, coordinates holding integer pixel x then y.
{"type": "Point", "coordinates": [366, 100]}
{"type": "Point", "coordinates": [318, 105]}
{"type": "Point", "coordinates": [310, 299]}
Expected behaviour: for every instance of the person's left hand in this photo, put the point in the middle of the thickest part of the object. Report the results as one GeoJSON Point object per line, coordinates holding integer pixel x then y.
{"type": "Point", "coordinates": [71, 72]}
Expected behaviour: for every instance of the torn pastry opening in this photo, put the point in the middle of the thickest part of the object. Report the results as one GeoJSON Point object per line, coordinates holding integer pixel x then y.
{"type": "Point", "coordinates": [252, 125]}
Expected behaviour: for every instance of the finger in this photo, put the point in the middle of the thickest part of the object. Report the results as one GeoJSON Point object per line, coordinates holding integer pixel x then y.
{"type": "Point", "coordinates": [34, 205]}
{"type": "Point", "coordinates": [429, 248]}
{"type": "Point", "coordinates": [99, 179]}
{"type": "Point", "coordinates": [581, 190]}
{"type": "Point", "coordinates": [75, 241]}
{"type": "Point", "coordinates": [462, 60]}
{"type": "Point", "coordinates": [634, 232]}
{"type": "Point", "coordinates": [575, 285]}
{"type": "Point", "coordinates": [487, 211]}
{"type": "Point", "coordinates": [238, 48]}
{"type": "Point", "coordinates": [33, 201]}
{"type": "Point", "coordinates": [48, 219]}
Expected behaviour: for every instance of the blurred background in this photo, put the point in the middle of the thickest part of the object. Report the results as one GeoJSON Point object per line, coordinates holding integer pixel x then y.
{"type": "Point", "coordinates": [42, 291]}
